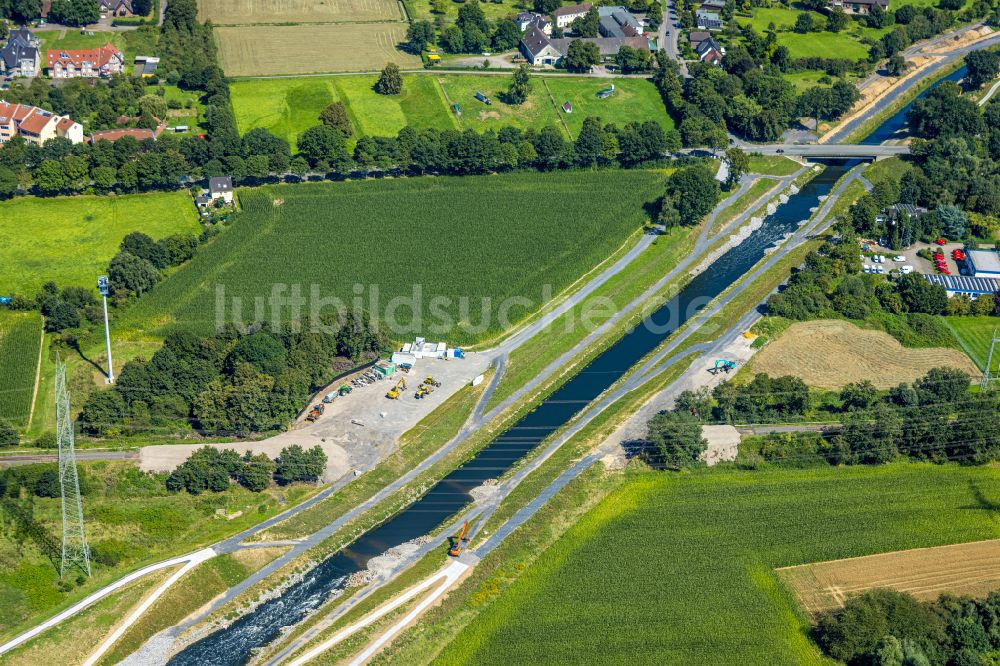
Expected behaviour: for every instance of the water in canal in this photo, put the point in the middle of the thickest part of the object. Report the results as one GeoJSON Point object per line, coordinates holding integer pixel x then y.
{"type": "Point", "coordinates": [234, 645]}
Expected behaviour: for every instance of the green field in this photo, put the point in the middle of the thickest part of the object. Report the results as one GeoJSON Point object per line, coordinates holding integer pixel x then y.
{"type": "Point", "coordinates": [71, 239]}
{"type": "Point", "coordinates": [974, 334]}
{"type": "Point", "coordinates": [823, 45]}
{"type": "Point", "coordinates": [479, 239]}
{"type": "Point", "coordinates": [288, 106]}
{"type": "Point", "coordinates": [20, 338]}
{"type": "Point", "coordinates": [679, 568]}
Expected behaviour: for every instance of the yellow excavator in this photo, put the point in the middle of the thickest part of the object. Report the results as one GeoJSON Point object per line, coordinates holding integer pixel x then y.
{"type": "Point", "coordinates": [394, 392]}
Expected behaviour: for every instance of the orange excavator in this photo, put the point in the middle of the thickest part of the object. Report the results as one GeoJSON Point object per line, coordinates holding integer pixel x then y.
{"type": "Point", "coordinates": [456, 550]}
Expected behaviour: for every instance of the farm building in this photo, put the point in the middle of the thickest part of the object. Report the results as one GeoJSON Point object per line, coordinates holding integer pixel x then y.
{"type": "Point", "coordinates": [36, 125]}
{"type": "Point", "coordinates": [984, 263]}
{"type": "Point", "coordinates": [528, 20]}
{"type": "Point", "coordinates": [858, 7]}
{"type": "Point", "coordinates": [85, 63]}
{"type": "Point", "coordinates": [540, 50]}
{"type": "Point", "coordinates": [618, 22]}
{"type": "Point", "coordinates": [566, 15]}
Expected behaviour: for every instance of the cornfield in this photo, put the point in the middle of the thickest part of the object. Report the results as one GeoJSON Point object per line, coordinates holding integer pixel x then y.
{"type": "Point", "coordinates": [20, 337]}
{"type": "Point", "coordinates": [459, 248]}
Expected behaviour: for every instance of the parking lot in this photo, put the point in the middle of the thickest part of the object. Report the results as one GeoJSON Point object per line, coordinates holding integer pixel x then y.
{"type": "Point", "coordinates": [356, 430]}
{"type": "Point", "coordinates": [920, 265]}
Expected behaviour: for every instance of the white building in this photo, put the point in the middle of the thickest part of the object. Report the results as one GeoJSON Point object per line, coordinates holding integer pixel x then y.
{"type": "Point", "coordinates": [566, 15]}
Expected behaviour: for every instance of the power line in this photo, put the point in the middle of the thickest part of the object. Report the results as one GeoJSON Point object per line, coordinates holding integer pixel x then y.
{"type": "Point", "coordinates": [75, 552]}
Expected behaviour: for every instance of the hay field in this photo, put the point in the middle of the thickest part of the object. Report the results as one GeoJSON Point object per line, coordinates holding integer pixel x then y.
{"type": "Point", "coordinates": [964, 569]}
{"type": "Point", "coordinates": [262, 50]}
{"type": "Point", "coordinates": [248, 12]}
{"type": "Point", "coordinates": [832, 353]}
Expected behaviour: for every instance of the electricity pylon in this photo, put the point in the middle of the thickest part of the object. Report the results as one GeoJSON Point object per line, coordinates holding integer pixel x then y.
{"type": "Point", "coordinates": [990, 376]}
{"type": "Point", "coordinates": [75, 552]}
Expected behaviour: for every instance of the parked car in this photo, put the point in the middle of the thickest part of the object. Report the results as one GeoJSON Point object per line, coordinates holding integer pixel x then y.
{"type": "Point", "coordinates": [899, 258]}
{"type": "Point", "coordinates": [906, 270]}
{"type": "Point", "coordinates": [940, 241]}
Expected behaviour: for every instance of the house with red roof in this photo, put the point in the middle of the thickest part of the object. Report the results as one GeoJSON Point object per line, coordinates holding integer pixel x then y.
{"type": "Point", "coordinates": [85, 63]}
{"type": "Point", "coordinates": [36, 125]}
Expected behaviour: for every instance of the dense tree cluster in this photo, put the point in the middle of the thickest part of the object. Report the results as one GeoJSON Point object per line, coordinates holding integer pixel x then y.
{"type": "Point", "coordinates": [234, 382]}
{"type": "Point", "coordinates": [213, 469]}
{"type": "Point", "coordinates": [8, 435]}
{"type": "Point", "coordinates": [885, 627]}
{"type": "Point", "coordinates": [934, 419]}
{"type": "Point", "coordinates": [748, 95]}
{"type": "Point", "coordinates": [763, 400]}
{"type": "Point", "coordinates": [692, 193]}
{"type": "Point", "coordinates": [135, 269]}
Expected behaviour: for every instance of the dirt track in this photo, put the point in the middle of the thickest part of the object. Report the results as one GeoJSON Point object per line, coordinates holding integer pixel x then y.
{"type": "Point", "coordinates": [926, 573]}
{"type": "Point", "coordinates": [830, 353]}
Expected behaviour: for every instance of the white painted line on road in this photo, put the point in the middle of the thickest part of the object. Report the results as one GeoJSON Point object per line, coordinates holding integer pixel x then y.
{"type": "Point", "coordinates": [194, 561]}
{"type": "Point", "coordinates": [100, 594]}
{"type": "Point", "coordinates": [449, 574]}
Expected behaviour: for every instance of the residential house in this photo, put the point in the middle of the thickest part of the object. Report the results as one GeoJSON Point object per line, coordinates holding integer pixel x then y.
{"type": "Point", "coordinates": [20, 57]}
{"type": "Point", "coordinates": [857, 7]}
{"type": "Point", "coordinates": [710, 51]}
{"type": "Point", "coordinates": [36, 125]}
{"type": "Point", "coordinates": [527, 20]}
{"type": "Point", "coordinates": [900, 211]}
{"type": "Point", "coordinates": [537, 48]}
{"type": "Point", "coordinates": [565, 15]}
{"type": "Point", "coordinates": [618, 22]}
{"type": "Point", "coordinates": [221, 187]}
{"type": "Point", "coordinates": [116, 8]}
{"type": "Point", "coordinates": [85, 63]}
{"type": "Point", "coordinates": [541, 50]}
{"type": "Point", "coordinates": [696, 37]}
{"type": "Point", "coordinates": [708, 20]}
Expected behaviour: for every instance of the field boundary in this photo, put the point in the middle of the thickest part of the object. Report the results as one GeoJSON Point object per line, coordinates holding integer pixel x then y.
{"type": "Point", "coordinates": [38, 373]}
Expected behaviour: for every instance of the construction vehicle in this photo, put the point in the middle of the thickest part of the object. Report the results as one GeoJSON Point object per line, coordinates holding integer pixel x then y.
{"type": "Point", "coordinates": [330, 397]}
{"type": "Point", "coordinates": [316, 412]}
{"type": "Point", "coordinates": [433, 382]}
{"type": "Point", "coordinates": [424, 390]}
{"type": "Point", "coordinates": [723, 365]}
{"type": "Point", "coordinates": [394, 392]}
{"type": "Point", "coordinates": [463, 535]}
{"type": "Point", "coordinates": [345, 389]}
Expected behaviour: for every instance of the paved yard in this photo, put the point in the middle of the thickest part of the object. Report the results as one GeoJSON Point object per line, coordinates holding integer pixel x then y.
{"type": "Point", "coordinates": [358, 430]}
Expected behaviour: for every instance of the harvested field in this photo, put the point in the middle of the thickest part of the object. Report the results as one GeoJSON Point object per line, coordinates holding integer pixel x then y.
{"type": "Point", "coordinates": [971, 569]}
{"type": "Point", "coordinates": [264, 50]}
{"type": "Point", "coordinates": [245, 12]}
{"type": "Point", "coordinates": [832, 353]}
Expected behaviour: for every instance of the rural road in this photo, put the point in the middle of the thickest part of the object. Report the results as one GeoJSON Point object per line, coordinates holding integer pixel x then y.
{"type": "Point", "coordinates": [81, 455]}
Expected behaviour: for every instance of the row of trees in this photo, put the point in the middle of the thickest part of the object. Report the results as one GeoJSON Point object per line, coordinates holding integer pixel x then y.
{"type": "Point", "coordinates": [213, 469]}
{"type": "Point", "coordinates": [934, 419]}
{"type": "Point", "coordinates": [324, 148]}
{"type": "Point", "coordinates": [233, 382]}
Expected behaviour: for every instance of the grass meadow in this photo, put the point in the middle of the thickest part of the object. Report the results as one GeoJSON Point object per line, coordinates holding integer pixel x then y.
{"type": "Point", "coordinates": [974, 334]}
{"type": "Point", "coordinates": [311, 48]}
{"type": "Point", "coordinates": [289, 106]}
{"type": "Point", "coordinates": [20, 339]}
{"type": "Point", "coordinates": [70, 240]}
{"type": "Point", "coordinates": [679, 568]}
{"type": "Point", "coordinates": [480, 239]}
{"type": "Point", "coordinates": [127, 513]}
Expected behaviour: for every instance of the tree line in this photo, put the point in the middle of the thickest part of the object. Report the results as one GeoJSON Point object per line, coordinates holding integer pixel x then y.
{"type": "Point", "coordinates": [235, 382]}
{"type": "Point", "coordinates": [215, 470]}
